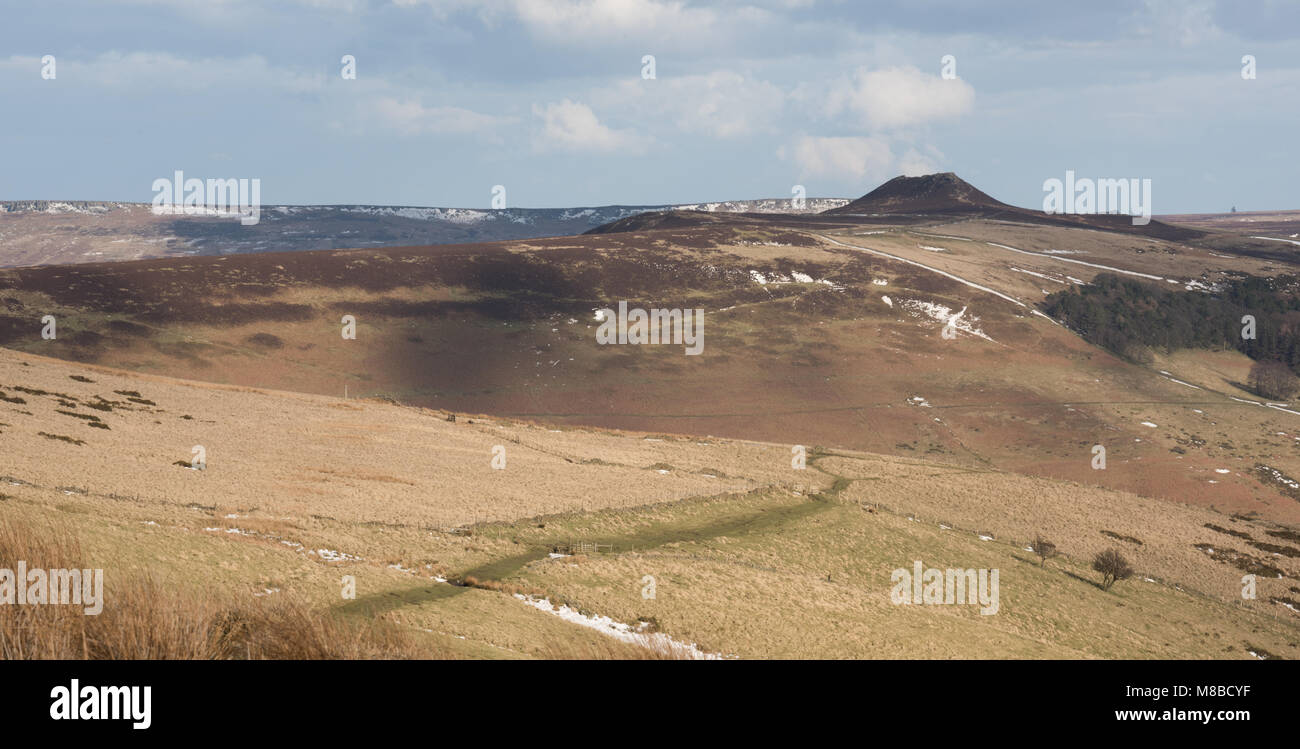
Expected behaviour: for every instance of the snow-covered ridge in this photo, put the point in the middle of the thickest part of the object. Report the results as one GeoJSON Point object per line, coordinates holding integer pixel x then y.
{"type": "Point", "coordinates": [593, 216]}
{"type": "Point", "coordinates": [93, 208]}
{"type": "Point", "coordinates": [769, 205]}
{"type": "Point", "coordinates": [450, 215]}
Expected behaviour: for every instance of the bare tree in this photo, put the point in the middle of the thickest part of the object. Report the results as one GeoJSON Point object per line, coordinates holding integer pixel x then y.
{"type": "Point", "coordinates": [1113, 566]}
{"type": "Point", "coordinates": [1044, 549]}
{"type": "Point", "coordinates": [1273, 379]}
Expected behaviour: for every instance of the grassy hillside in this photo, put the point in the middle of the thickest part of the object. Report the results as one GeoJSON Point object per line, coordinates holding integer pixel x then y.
{"type": "Point", "coordinates": [812, 338]}
{"type": "Point", "coordinates": [750, 557]}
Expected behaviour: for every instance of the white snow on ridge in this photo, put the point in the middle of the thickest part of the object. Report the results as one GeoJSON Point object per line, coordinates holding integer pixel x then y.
{"type": "Point", "coordinates": [1274, 406]}
{"type": "Point", "coordinates": [63, 206]}
{"type": "Point", "coordinates": [1040, 275]}
{"type": "Point", "coordinates": [1180, 382]}
{"type": "Point", "coordinates": [69, 208]}
{"type": "Point", "coordinates": [1079, 262]}
{"type": "Point", "coordinates": [945, 274]}
{"type": "Point", "coordinates": [450, 215]}
{"type": "Point", "coordinates": [1275, 239]}
{"type": "Point", "coordinates": [794, 277]}
{"type": "Point", "coordinates": [943, 236]}
{"type": "Point", "coordinates": [762, 205]}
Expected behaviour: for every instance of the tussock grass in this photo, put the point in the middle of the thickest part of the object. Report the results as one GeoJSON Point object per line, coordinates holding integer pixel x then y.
{"type": "Point", "coordinates": [143, 618]}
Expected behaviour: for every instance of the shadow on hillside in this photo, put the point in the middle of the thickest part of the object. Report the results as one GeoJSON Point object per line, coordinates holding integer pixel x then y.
{"type": "Point", "coordinates": [1248, 389]}
{"type": "Point", "coordinates": [1082, 579]}
{"type": "Point", "coordinates": [394, 599]}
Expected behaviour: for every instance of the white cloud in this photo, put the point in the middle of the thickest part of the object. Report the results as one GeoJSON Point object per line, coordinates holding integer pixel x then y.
{"type": "Point", "coordinates": [567, 20]}
{"type": "Point", "coordinates": [889, 103]}
{"type": "Point", "coordinates": [1185, 22]}
{"type": "Point", "coordinates": [898, 97]}
{"type": "Point", "coordinates": [854, 158]}
{"type": "Point", "coordinates": [161, 71]}
{"type": "Point", "coordinates": [442, 10]}
{"type": "Point", "coordinates": [572, 126]}
{"type": "Point", "coordinates": [410, 117]}
{"type": "Point", "coordinates": [860, 160]}
{"type": "Point", "coordinates": [721, 104]}
{"type": "Point", "coordinates": [378, 103]}
{"type": "Point", "coordinates": [913, 163]}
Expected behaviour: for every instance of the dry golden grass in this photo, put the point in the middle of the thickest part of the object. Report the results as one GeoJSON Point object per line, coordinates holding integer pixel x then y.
{"type": "Point", "coordinates": [744, 567]}
{"type": "Point", "coordinates": [819, 587]}
{"type": "Point", "coordinates": [1224, 371]}
{"type": "Point", "coordinates": [307, 457]}
{"type": "Point", "coordinates": [606, 649]}
{"type": "Point", "coordinates": [1079, 519]}
{"type": "Point", "coordinates": [143, 618]}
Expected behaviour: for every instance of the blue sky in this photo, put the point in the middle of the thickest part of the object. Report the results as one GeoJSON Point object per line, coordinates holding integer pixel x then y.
{"type": "Point", "coordinates": [547, 98]}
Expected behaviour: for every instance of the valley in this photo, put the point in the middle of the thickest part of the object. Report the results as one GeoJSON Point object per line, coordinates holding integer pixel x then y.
{"type": "Point", "coordinates": [947, 418]}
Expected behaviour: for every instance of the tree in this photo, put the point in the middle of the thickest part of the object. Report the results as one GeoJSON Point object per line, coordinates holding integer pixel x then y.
{"type": "Point", "coordinates": [1273, 379]}
{"type": "Point", "coordinates": [1113, 566]}
{"type": "Point", "coordinates": [1044, 549]}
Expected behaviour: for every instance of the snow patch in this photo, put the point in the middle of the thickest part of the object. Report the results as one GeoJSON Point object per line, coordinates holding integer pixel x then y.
{"type": "Point", "coordinates": [944, 315]}
{"type": "Point", "coordinates": [1275, 239]}
{"type": "Point", "coordinates": [656, 641]}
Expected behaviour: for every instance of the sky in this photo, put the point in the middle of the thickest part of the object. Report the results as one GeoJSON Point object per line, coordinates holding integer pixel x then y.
{"type": "Point", "coordinates": [552, 99]}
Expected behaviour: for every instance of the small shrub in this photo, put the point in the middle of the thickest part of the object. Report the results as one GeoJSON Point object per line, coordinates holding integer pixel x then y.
{"type": "Point", "coordinates": [1113, 567]}
{"type": "Point", "coordinates": [1044, 549]}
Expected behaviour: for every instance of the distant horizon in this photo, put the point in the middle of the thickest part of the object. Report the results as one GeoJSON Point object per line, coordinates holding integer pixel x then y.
{"type": "Point", "coordinates": [649, 102]}
{"type": "Point", "coordinates": [489, 209]}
